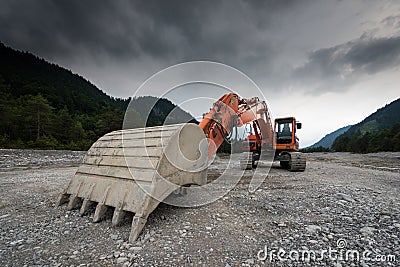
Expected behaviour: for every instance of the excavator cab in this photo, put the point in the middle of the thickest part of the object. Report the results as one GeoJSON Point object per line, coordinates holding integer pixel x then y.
{"type": "Point", "coordinates": [285, 130]}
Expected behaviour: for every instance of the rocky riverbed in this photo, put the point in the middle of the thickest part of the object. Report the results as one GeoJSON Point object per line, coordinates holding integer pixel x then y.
{"type": "Point", "coordinates": [342, 202]}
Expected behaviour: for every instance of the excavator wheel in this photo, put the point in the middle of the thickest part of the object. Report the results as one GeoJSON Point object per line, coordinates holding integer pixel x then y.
{"type": "Point", "coordinates": [134, 170]}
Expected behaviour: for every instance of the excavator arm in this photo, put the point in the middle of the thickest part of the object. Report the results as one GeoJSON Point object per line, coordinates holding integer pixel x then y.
{"type": "Point", "coordinates": [232, 111]}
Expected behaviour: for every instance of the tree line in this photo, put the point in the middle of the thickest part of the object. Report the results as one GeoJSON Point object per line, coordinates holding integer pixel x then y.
{"type": "Point", "coordinates": [383, 140]}
{"type": "Point", "coordinates": [30, 121]}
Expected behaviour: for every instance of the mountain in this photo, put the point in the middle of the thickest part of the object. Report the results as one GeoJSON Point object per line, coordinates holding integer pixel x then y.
{"type": "Point", "coordinates": [327, 140]}
{"type": "Point", "coordinates": [43, 105]}
{"type": "Point", "coordinates": [22, 73]}
{"type": "Point", "coordinates": [383, 118]}
{"type": "Point", "coordinates": [380, 131]}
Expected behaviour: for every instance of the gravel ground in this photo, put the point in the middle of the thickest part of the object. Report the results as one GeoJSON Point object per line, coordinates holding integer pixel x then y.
{"type": "Point", "coordinates": [24, 159]}
{"type": "Point", "coordinates": [341, 202]}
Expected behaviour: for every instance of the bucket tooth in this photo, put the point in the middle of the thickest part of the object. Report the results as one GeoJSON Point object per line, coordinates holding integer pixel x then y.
{"type": "Point", "coordinates": [99, 212]}
{"type": "Point", "coordinates": [85, 206]}
{"type": "Point", "coordinates": [101, 208]}
{"type": "Point", "coordinates": [62, 199]}
{"type": "Point", "coordinates": [137, 227]}
{"type": "Point", "coordinates": [119, 212]}
{"type": "Point", "coordinates": [118, 217]}
{"type": "Point", "coordinates": [87, 202]}
{"type": "Point", "coordinates": [74, 202]}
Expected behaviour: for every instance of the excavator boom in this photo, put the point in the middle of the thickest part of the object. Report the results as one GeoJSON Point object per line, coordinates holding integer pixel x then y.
{"type": "Point", "coordinates": [231, 111]}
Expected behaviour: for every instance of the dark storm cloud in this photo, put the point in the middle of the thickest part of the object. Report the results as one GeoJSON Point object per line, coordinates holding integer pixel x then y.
{"type": "Point", "coordinates": [120, 28]}
{"type": "Point", "coordinates": [63, 28]}
{"type": "Point", "coordinates": [392, 21]}
{"type": "Point", "coordinates": [374, 55]}
{"type": "Point", "coordinates": [337, 67]}
{"type": "Point", "coordinates": [109, 40]}
{"type": "Point", "coordinates": [178, 30]}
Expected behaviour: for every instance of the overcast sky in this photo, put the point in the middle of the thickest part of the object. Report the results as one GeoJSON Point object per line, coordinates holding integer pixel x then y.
{"type": "Point", "coordinates": [329, 63]}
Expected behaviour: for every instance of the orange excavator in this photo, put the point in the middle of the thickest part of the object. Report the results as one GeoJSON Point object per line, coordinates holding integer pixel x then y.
{"type": "Point", "coordinates": [286, 144]}
{"type": "Point", "coordinates": [231, 111]}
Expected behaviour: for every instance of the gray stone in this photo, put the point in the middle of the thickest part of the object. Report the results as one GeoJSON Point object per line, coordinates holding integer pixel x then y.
{"type": "Point", "coordinates": [345, 197]}
{"type": "Point", "coordinates": [313, 228]}
{"type": "Point", "coordinates": [121, 260]}
{"type": "Point", "coordinates": [368, 230]}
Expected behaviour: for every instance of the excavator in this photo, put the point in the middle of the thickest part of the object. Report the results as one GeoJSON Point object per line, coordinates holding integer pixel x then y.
{"type": "Point", "coordinates": [133, 170]}
{"type": "Point", "coordinates": [286, 146]}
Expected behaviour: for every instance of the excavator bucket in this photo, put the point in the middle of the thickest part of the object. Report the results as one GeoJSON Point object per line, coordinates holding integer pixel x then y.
{"type": "Point", "coordinates": [134, 170]}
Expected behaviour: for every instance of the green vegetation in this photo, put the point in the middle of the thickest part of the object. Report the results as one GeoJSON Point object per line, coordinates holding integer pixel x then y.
{"type": "Point", "coordinates": [378, 132]}
{"type": "Point", "coordinates": [383, 140]}
{"type": "Point", "coordinates": [383, 118]}
{"type": "Point", "coordinates": [30, 121]}
{"type": "Point", "coordinates": [45, 106]}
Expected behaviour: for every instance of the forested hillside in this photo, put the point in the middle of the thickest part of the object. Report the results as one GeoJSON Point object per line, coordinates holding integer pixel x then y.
{"type": "Point", "coordinates": [45, 106]}
{"type": "Point", "coordinates": [378, 132]}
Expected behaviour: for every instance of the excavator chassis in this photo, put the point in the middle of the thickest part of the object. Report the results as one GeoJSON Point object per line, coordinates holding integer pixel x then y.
{"type": "Point", "coordinates": [134, 170]}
